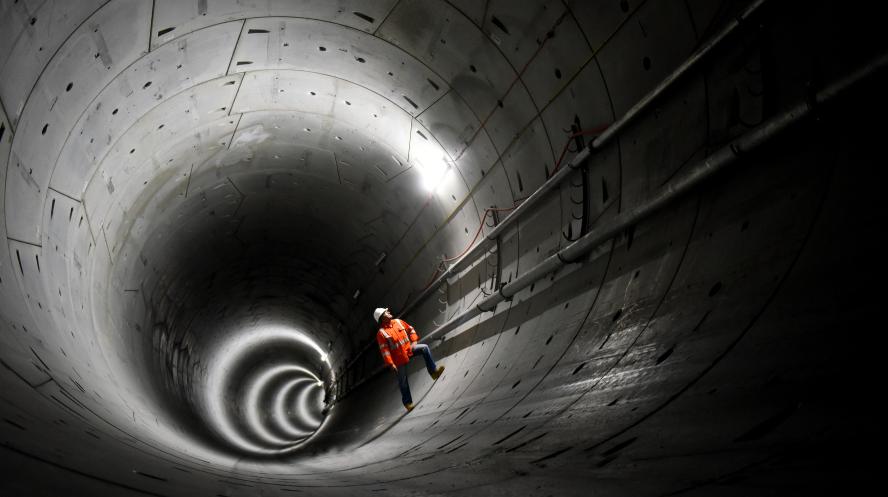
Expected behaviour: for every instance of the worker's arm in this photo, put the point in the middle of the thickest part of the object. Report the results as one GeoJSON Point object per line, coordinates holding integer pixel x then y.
{"type": "Point", "coordinates": [414, 337]}
{"type": "Point", "coordinates": [384, 350]}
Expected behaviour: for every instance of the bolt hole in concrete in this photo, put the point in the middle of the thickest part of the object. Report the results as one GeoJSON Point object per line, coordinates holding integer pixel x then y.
{"type": "Point", "coordinates": [364, 17]}
{"type": "Point", "coordinates": [496, 22]}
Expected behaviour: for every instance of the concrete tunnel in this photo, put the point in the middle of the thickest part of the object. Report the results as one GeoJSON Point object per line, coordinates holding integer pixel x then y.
{"type": "Point", "coordinates": [640, 235]}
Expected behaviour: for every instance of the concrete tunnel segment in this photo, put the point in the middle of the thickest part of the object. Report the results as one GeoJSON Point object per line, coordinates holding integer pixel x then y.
{"type": "Point", "coordinates": [204, 201]}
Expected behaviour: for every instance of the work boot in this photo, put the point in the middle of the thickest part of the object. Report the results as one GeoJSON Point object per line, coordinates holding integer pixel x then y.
{"type": "Point", "coordinates": [409, 406]}
{"type": "Point", "coordinates": [437, 372]}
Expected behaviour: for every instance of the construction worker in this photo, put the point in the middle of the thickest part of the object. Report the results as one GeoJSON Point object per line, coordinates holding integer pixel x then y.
{"type": "Point", "coordinates": [398, 343]}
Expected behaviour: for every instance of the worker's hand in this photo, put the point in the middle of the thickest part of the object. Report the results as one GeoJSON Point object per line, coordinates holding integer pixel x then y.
{"type": "Point", "coordinates": [395, 368]}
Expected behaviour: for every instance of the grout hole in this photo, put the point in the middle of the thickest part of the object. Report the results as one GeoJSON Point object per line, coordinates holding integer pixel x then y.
{"type": "Point", "coordinates": [164, 31]}
{"type": "Point", "coordinates": [364, 17]}
{"type": "Point", "coordinates": [496, 22]}
{"type": "Point", "coordinates": [149, 475]}
{"type": "Point", "coordinates": [45, 126]}
{"type": "Point", "coordinates": [665, 355]}
{"type": "Point", "coordinates": [70, 85]}
{"type": "Point", "coordinates": [146, 85]}
{"type": "Point", "coordinates": [13, 423]}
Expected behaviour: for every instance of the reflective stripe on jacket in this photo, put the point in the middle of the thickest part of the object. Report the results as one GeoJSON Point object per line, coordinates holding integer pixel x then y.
{"type": "Point", "coordinates": [396, 342]}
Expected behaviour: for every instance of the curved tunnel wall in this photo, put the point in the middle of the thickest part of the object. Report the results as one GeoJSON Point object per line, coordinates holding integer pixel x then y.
{"type": "Point", "coordinates": [179, 176]}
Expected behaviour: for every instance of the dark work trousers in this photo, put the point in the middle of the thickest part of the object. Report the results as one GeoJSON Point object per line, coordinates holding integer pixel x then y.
{"type": "Point", "coordinates": [402, 371]}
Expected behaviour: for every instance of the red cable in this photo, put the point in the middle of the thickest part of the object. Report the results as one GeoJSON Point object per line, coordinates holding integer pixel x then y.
{"type": "Point", "coordinates": [594, 131]}
{"type": "Point", "coordinates": [478, 232]}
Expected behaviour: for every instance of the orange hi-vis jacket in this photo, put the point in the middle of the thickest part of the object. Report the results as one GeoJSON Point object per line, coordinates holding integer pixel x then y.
{"type": "Point", "coordinates": [396, 342]}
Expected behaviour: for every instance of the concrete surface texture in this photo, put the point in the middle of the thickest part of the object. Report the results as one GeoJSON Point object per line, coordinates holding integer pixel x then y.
{"type": "Point", "coordinates": [205, 200]}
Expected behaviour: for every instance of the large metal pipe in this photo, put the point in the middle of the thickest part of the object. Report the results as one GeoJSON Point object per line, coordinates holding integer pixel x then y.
{"type": "Point", "coordinates": [700, 172]}
{"type": "Point", "coordinates": [600, 141]}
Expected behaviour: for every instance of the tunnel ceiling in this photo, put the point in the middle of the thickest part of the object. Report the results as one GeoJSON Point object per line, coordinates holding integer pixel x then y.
{"type": "Point", "coordinates": [204, 201]}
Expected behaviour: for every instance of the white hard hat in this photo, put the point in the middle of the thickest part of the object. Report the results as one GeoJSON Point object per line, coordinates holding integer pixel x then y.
{"type": "Point", "coordinates": [379, 312]}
